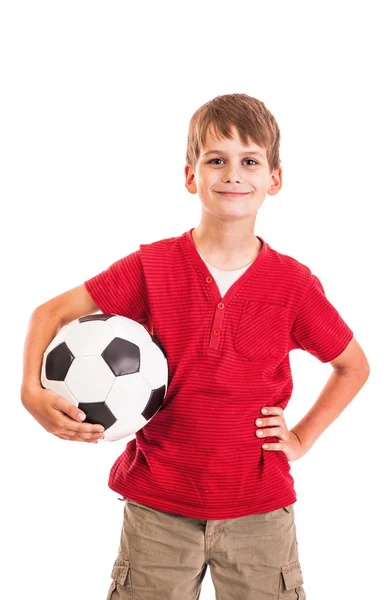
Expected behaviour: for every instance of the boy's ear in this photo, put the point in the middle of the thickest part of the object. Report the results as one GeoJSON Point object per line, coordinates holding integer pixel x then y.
{"type": "Point", "coordinates": [276, 182]}
{"type": "Point", "coordinates": [190, 180]}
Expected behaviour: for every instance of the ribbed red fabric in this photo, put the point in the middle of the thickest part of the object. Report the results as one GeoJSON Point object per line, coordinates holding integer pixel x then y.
{"type": "Point", "coordinates": [227, 358]}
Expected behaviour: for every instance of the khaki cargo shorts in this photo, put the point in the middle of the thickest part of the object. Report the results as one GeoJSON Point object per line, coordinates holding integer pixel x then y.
{"type": "Point", "coordinates": [164, 556]}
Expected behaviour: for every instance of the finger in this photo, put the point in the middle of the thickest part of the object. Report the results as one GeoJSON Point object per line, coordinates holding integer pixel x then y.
{"type": "Point", "coordinates": [80, 428]}
{"type": "Point", "coordinates": [272, 410]}
{"type": "Point", "coordinates": [78, 436]}
{"type": "Point", "coordinates": [275, 447]}
{"type": "Point", "coordinates": [84, 436]}
{"type": "Point", "coordinates": [68, 409]}
{"type": "Point", "coordinates": [268, 421]}
{"type": "Point", "coordinates": [271, 431]}
{"type": "Point", "coordinates": [72, 439]}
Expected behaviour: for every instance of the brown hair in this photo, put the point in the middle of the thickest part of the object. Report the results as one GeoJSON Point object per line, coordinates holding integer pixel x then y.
{"type": "Point", "coordinates": [248, 115]}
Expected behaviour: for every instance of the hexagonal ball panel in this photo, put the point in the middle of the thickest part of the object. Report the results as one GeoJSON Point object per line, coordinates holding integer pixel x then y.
{"type": "Point", "coordinates": [126, 328]}
{"type": "Point", "coordinates": [128, 397]}
{"type": "Point", "coordinates": [121, 429]}
{"type": "Point", "coordinates": [89, 338]}
{"type": "Point", "coordinates": [156, 341]}
{"type": "Point", "coordinates": [59, 388]}
{"type": "Point", "coordinates": [60, 336]}
{"type": "Point", "coordinates": [154, 366]}
{"type": "Point", "coordinates": [89, 379]}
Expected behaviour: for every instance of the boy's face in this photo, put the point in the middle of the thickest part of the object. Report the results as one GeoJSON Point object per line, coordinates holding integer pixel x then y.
{"type": "Point", "coordinates": [233, 169]}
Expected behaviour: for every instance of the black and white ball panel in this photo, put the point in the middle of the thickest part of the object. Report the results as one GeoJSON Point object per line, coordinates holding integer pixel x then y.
{"type": "Point", "coordinates": [112, 368]}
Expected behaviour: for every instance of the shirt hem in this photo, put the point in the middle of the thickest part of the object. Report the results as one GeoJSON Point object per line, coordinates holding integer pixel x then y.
{"type": "Point", "coordinates": [204, 513]}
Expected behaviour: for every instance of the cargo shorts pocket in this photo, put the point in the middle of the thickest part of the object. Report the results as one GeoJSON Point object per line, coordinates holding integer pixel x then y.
{"type": "Point", "coordinates": [292, 582]}
{"type": "Point", "coordinates": [121, 576]}
{"type": "Point", "coordinates": [262, 331]}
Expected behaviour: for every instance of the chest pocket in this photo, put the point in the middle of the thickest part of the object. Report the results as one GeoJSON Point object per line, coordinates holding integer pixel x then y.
{"type": "Point", "coordinates": [261, 332]}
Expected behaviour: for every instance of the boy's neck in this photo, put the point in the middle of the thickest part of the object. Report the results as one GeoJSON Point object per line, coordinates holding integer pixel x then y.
{"type": "Point", "coordinates": [226, 252]}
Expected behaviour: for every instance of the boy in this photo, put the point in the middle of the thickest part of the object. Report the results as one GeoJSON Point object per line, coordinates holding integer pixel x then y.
{"type": "Point", "coordinates": [208, 481]}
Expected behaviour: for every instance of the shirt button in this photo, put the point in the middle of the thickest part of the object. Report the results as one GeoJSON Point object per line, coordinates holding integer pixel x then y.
{"type": "Point", "coordinates": [216, 331]}
{"type": "Point", "coordinates": [220, 305]}
{"type": "Point", "coordinates": [208, 279]}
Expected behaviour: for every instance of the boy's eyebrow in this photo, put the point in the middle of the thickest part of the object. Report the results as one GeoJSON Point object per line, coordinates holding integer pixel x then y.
{"type": "Point", "coordinates": [222, 152]}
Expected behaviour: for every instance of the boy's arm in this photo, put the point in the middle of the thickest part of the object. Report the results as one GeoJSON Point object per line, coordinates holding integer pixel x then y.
{"type": "Point", "coordinates": [350, 372]}
{"type": "Point", "coordinates": [54, 413]}
{"type": "Point", "coordinates": [45, 322]}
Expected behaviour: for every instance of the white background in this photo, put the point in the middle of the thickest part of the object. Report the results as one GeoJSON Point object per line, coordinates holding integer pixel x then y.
{"type": "Point", "coordinates": [96, 99]}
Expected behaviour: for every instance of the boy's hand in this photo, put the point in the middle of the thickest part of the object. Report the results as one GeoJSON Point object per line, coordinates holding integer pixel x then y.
{"type": "Point", "coordinates": [60, 417]}
{"type": "Point", "coordinates": [289, 443]}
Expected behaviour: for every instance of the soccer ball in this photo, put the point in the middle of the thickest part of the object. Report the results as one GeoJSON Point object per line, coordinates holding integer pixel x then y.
{"type": "Point", "coordinates": [111, 368]}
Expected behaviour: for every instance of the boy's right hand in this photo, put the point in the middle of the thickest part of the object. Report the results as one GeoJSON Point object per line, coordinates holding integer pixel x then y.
{"type": "Point", "coordinates": [60, 417]}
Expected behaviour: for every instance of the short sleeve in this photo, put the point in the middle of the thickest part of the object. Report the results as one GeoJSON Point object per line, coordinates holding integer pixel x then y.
{"type": "Point", "coordinates": [318, 327]}
{"type": "Point", "coordinates": [120, 289]}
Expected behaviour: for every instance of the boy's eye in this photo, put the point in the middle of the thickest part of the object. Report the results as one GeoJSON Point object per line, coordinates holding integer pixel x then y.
{"type": "Point", "coordinates": [247, 160]}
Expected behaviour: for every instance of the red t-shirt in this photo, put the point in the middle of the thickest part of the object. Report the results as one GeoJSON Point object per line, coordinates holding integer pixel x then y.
{"type": "Point", "coordinates": [227, 358]}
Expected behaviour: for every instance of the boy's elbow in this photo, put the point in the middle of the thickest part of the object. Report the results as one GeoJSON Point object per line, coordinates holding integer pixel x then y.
{"type": "Point", "coordinates": [352, 358]}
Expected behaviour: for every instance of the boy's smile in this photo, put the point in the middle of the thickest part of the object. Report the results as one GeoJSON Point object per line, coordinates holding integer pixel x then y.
{"type": "Point", "coordinates": [233, 194]}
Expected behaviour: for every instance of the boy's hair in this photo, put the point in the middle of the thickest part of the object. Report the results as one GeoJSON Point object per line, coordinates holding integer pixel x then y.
{"type": "Point", "coordinates": [248, 115]}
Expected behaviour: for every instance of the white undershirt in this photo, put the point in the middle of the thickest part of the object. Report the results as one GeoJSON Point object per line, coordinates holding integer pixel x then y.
{"type": "Point", "coordinates": [224, 279]}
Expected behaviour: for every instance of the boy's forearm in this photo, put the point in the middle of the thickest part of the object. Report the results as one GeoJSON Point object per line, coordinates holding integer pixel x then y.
{"type": "Point", "coordinates": [341, 387]}
{"type": "Point", "coordinates": [42, 328]}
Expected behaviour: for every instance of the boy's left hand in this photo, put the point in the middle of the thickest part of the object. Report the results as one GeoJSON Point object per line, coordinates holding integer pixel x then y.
{"type": "Point", "coordinates": [288, 443]}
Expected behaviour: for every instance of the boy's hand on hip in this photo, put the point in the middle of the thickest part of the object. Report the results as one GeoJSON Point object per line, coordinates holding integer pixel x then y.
{"type": "Point", "coordinates": [273, 424]}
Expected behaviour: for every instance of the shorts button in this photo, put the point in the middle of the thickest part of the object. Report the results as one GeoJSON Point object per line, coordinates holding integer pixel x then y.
{"type": "Point", "coordinates": [216, 331]}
